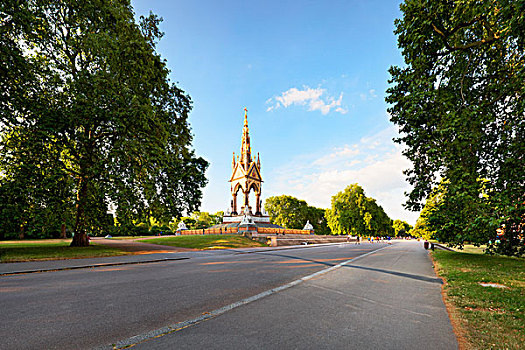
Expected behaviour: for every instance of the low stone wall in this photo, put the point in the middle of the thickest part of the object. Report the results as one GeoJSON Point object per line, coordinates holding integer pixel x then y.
{"type": "Point", "coordinates": [297, 239]}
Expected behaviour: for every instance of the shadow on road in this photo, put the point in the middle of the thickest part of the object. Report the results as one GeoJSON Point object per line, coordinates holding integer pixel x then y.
{"type": "Point", "coordinates": [395, 273]}
{"type": "Point", "coordinates": [401, 274]}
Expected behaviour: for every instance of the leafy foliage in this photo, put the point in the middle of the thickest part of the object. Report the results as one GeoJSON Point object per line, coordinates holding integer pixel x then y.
{"type": "Point", "coordinates": [198, 220]}
{"type": "Point", "coordinates": [424, 227]}
{"type": "Point", "coordinates": [401, 228]}
{"type": "Point", "coordinates": [84, 92]}
{"type": "Point", "coordinates": [293, 213]}
{"type": "Point", "coordinates": [354, 213]}
{"type": "Point", "coordinates": [459, 105]}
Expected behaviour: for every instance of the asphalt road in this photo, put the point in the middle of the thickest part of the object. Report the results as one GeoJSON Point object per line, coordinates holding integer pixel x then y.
{"type": "Point", "coordinates": [389, 299]}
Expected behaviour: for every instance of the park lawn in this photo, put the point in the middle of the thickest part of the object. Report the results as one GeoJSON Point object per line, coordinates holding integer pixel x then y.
{"type": "Point", "coordinates": [488, 317]}
{"type": "Point", "coordinates": [52, 249]}
{"type": "Point", "coordinates": [470, 248]}
{"type": "Point", "coordinates": [206, 241]}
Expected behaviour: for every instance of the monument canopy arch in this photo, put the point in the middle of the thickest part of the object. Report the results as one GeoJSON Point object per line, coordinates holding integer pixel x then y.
{"type": "Point", "coordinates": [246, 175]}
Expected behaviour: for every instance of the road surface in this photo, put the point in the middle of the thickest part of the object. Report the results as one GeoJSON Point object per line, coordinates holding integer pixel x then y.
{"type": "Point", "coordinates": [388, 299]}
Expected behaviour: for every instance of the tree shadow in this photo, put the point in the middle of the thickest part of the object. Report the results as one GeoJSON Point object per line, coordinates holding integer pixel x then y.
{"type": "Point", "coordinates": [395, 273]}
{"type": "Point", "coordinates": [400, 274]}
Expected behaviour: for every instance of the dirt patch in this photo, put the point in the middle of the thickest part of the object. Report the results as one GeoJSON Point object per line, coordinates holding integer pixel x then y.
{"type": "Point", "coordinates": [491, 310]}
{"type": "Point", "coordinates": [465, 270]}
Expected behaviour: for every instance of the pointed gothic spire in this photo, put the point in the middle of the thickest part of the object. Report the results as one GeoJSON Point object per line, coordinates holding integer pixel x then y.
{"type": "Point", "coordinates": [246, 152]}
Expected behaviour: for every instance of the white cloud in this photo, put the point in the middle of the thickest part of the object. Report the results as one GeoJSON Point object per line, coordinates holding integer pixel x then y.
{"type": "Point", "coordinates": [374, 162]}
{"type": "Point", "coordinates": [370, 95]}
{"type": "Point", "coordinates": [315, 99]}
{"type": "Point", "coordinates": [338, 154]}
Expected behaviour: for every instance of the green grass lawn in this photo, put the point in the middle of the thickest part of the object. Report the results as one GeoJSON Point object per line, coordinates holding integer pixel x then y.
{"type": "Point", "coordinates": [470, 248]}
{"type": "Point", "coordinates": [51, 249]}
{"type": "Point", "coordinates": [491, 318]}
{"type": "Point", "coordinates": [206, 241]}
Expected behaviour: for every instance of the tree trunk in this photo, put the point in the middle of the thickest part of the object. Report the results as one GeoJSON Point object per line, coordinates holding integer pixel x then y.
{"type": "Point", "coordinates": [80, 238]}
{"type": "Point", "coordinates": [63, 230]}
{"type": "Point", "coordinates": [21, 234]}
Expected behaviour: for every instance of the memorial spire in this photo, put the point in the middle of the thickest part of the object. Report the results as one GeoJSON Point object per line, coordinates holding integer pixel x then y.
{"type": "Point", "coordinates": [246, 152]}
{"type": "Point", "coordinates": [246, 175]}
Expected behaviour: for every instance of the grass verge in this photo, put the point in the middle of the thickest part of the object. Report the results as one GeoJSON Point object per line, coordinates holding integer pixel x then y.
{"type": "Point", "coordinates": [15, 251]}
{"type": "Point", "coordinates": [488, 317]}
{"type": "Point", "coordinates": [472, 249]}
{"type": "Point", "coordinates": [207, 241]}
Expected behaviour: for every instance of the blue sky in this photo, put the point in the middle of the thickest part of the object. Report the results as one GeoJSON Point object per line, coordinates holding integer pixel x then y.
{"type": "Point", "coordinates": [313, 76]}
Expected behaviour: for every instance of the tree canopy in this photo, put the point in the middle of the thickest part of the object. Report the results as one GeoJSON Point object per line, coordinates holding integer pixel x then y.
{"type": "Point", "coordinates": [401, 228]}
{"type": "Point", "coordinates": [290, 212]}
{"type": "Point", "coordinates": [89, 117]}
{"type": "Point", "coordinates": [354, 213]}
{"type": "Point", "coordinates": [459, 105]}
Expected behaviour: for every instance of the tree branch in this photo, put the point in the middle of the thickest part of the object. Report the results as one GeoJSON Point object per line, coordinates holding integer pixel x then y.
{"type": "Point", "coordinates": [443, 33]}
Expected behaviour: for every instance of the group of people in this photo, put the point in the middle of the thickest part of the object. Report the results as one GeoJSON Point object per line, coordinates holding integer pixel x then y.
{"type": "Point", "coordinates": [371, 239]}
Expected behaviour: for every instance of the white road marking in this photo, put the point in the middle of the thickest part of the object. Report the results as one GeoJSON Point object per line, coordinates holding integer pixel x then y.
{"type": "Point", "coordinates": [135, 340]}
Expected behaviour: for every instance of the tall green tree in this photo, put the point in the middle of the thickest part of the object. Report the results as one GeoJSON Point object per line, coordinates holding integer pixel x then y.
{"type": "Point", "coordinates": [459, 105]}
{"type": "Point", "coordinates": [291, 212]}
{"type": "Point", "coordinates": [317, 217]}
{"type": "Point", "coordinates": [95, 90]}
{"type": "Point", "coordinates": [424, 228]}
{"type": "Point", "coordinates": [401, 228]}
{"type": "Point", "coordinates": [36, 196]}
{"type": "Point", "coordinates": [354, 213]}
